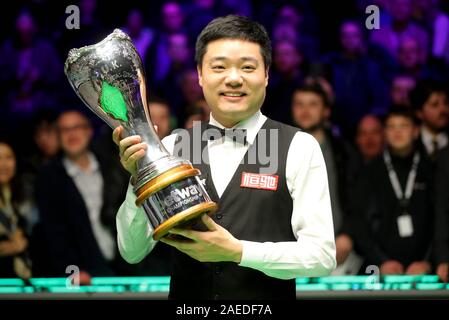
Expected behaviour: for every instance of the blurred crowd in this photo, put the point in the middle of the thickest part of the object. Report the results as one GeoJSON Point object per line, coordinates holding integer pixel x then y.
{"type": "Point", "coordinates": [376, 101]}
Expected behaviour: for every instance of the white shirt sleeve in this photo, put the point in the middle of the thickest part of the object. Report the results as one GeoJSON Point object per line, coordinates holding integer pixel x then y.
{"type": "Point", "coordinates": [313, 254]}
{"type": "Point", "coordinates": [134, 232]}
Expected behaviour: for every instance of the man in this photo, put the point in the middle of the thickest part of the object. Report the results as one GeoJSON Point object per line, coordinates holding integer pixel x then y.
{"type": "Point", "coordinates": [259, 240]}
{"type": "Point", "coordinates": [430, 100]}
{"type": "Point", "coordinates": [160, 116]}
{"type": "Point", "coordinates": [370, 137]}
{"type": "Point", "coordinates": [77, 198]}
{"type": "Point", "coordinates": [401, 86]}
{"type": "Point", "coordinates": [392, 202]}
{"type": "Point", "coordinates": [442, 215]}
{"type": "Point", "coordinates": [311, 112]}
{"type": "Point", "coordinates": [358, 84]}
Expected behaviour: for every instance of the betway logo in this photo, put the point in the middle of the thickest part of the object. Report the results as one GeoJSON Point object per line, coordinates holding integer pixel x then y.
{"type": "Point", "coordinates": [181, 194]}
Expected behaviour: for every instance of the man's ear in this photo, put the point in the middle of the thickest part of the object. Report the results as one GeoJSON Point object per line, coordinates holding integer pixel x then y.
{"type": "Point", "coordinates": [200, 75]}
{"type": "Point", "coordinates": [267, 72]}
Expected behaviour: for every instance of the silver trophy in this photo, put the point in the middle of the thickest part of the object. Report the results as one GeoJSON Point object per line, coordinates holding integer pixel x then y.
{"type": "Point", "coordinates": [110, 80]}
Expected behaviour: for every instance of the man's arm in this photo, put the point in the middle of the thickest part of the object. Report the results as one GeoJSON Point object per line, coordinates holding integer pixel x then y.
{"type": "Point", "coordinates": [313, 254]}
{"type": "Point", "coordinates": [134, 232]}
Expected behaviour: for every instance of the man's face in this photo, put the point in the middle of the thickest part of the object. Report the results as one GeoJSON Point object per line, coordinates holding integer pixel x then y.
{"type": "Point", "coordinates": [75, 133]}
{"type": "Point", "coordinates": [308, 110]}
{"type": "Point", "coordinates": [160, 116]}
{"type": "Point", "coordinates": [7, 164]}
{"type": "Point", "coordinates": [435, 111]}
{"type": "Point", "coordinates": [370, 137]}
{"type": "Point", "coordinates": [400, 132]}
{"type": "Point", "coordinates": [172, 16]}
{"type": "Point", "coordinates": [400, 90]}
{"type": "Point", "coordinates": [46, 138]}
{"type": "Point", "coordinates": [409, 53]}
{"type": "Point", "coordinates": [351, 37]}
{"type": "Point", "coordinates": [286, 57]}
{"type": "Point", "coordinates": [234, 79]}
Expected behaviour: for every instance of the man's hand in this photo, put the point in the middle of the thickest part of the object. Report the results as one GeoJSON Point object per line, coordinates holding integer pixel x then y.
{"type": "Point", "coordinates": [215, 245]}
{"type": "Point", "coordinates": [418, 267]}
{"type": "Point", "coordinates": [443, 271]}
{"type": "Point", "coordinates": [392, 267]}
{"type": "Point", "coordinates": [344, 246]}
{"type": "Point", "coordinates": [131, 150]}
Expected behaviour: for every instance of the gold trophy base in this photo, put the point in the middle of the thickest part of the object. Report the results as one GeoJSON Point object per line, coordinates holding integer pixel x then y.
{"type": "Point", "coordinates": [186, 216]}
{"type": "Point", "coordinates": [181, 218]}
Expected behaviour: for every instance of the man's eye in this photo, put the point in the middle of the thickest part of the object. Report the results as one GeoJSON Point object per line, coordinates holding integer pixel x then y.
{"type": "Point", "coordinates": [218, 67]}
{"type": "Point", "coordinates": [248, 68]}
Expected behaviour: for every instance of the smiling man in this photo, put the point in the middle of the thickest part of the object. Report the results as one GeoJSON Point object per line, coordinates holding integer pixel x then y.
{"type": "Point", "coordinates": [263, 235]}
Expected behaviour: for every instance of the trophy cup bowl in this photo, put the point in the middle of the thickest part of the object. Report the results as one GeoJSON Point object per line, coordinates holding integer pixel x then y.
{"type": "Point", "coordinates": [109, 78]}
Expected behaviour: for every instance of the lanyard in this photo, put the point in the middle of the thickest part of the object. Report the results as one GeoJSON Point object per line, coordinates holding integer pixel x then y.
{"type": "Point", "coordinates": [403, 197]}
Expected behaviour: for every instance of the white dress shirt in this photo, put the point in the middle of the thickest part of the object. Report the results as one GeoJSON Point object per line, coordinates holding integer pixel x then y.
{"type": "Point", "coordinates": [428, 138]}
{"type": "Point", "coordinates": [313, 254]}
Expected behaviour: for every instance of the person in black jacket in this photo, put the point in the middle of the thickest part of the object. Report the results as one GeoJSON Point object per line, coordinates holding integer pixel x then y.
{"type": "Point", "coordinates": [392, 211]}
{"type": "Point", "coordinates": [311, 112]}
{"type": "Point", "coordinates": [78, 194]}
{"type": "Point", "coordinates": [442, 215]}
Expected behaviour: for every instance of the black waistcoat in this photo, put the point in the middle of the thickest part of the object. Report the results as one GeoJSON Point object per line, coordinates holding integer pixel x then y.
{"type": "Point", "coordinates": [248, 214]}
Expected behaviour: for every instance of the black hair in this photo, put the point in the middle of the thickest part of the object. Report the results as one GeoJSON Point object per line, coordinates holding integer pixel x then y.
{"type": "Point", "coordinates": [423, 90]}
{"type": "Point", "coordinates": [317, 89]}
{"type": "Point", "coordinates": [16, 183]}
{"type": "Point", "coordinates": [234, 27]}
{"type": "Point", "coordinates": [400, 111]}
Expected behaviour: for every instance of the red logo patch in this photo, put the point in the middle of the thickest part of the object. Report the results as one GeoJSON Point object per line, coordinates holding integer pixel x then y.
{"type": "Point", "coordinates": [259, 181]}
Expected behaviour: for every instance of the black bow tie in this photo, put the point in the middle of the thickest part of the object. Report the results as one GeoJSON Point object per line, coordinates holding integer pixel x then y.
{"type": "Point", "coordinates": [237, 135]}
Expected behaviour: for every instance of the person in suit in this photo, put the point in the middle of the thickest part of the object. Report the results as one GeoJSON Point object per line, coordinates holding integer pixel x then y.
{"type": "Point", "coordinates": [442, 215]}
{"type": "Point", "coordinates": [77, 196]}
{"type": "Point", "coordinates": [261, 238]}
{"type": "Point", "coordinates": [311, 111]}
{"type": "Point", "coordinates": [430, 100]}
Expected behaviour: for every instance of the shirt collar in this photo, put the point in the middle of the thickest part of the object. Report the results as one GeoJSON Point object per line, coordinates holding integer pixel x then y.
{"type": "Point", "coordinates": [428, 137]}
{"type": "Point", "coordinates": [74, 170]}
{"type": "Point", "coordinates": [252, 125]}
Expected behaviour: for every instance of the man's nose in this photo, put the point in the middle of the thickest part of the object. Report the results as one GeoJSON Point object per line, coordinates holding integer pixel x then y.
{"type": "Point", "coordinates": [234, 78]}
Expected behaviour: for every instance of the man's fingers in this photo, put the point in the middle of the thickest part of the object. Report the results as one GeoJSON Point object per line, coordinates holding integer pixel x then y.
{"type": "Point", "coordinates": [117, 135]}
{"type": "Point", "coordinates": [209, 223]}
{"type": "Point", "coordinates": [182, 245]}
{"type": "Point", "coordinates": [190, 234]}
{"type": "Point", "coordinates": [133, 149]}
{"type": "Point", "coordinates": [127, 142]}
{"type": "Point", "coordinates": [137, 156]}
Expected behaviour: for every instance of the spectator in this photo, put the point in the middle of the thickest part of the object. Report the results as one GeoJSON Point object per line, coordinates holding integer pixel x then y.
{"type": "Point", "coordinates": [160, 116]}
{"type": "Point", "coordinates": [77, 194]}
{"type": "Point", "coordinates": [392, 202]}
{"type": "Point", "coordinates": [430, 99]}
{"type": "Point", "coordinates": [142, 36]}
{"type": "Point", "coordinates": [401, 86]}
{"type": "Point", "coordinates": [286, 75]}
{"type": "Point", "coordinates": [14, 260]}
{"type": "Point", "coordinates": [369, 138]}
{"type": "Point", "coordinates": [30, 71]}
{"type": "Point", "coordinates": [390, 35]}
{"type": "Point", "coordinates": [311, 111]}
{"type": "Point", "coordinates": [358, 85]}
{"type": "Point", "coordinates": [441, 234]}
